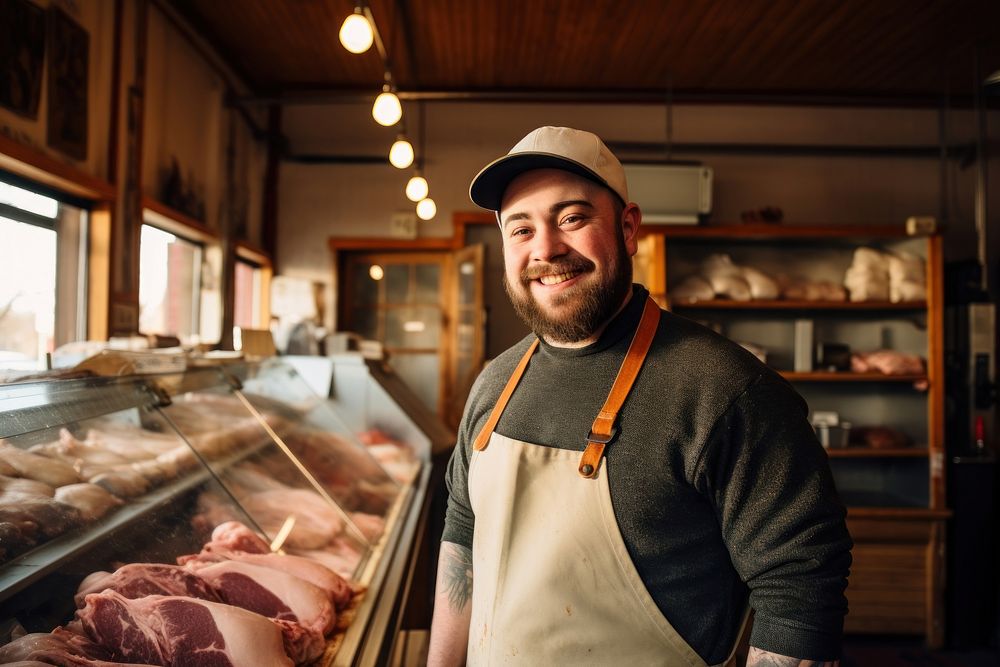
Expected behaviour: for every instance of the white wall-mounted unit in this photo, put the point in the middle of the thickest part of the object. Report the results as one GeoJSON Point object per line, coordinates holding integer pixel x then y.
{"type": "Point", "coordinates": [671, 193]}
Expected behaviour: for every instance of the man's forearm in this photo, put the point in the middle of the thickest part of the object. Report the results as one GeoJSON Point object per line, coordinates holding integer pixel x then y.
{"type": "Point", "coordinates": [760, 658]}
{"type": "Point", "coordinates": [452, 607]}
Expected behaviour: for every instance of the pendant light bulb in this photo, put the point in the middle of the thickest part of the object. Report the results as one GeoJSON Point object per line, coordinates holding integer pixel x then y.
{"type": "Point", "coordinates": [401, 154]}
{"type": "Point", "coordinates": [387, 110]}
{"type": "Point", "coordinates": [356, 33]}
{"type": "Point", "coordinates": [417, 188]}
{"type": "Point", "coordinates": [426, 209]}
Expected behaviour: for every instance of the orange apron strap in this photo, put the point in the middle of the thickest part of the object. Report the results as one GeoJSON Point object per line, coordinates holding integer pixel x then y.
{"type": "Point", "coordinates": [603, 429]}
{"type": "Point", "coordinates": [484, 435]}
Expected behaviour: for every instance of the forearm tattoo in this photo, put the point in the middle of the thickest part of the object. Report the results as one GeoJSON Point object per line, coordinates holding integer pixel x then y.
{"type": "Point", "coordinates": [457, 576]}
{"type": "Point", "coordinates": [761, 658]}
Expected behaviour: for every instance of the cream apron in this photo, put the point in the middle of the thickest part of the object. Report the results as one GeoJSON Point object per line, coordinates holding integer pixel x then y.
{"type": "Point", "coordinates": [552, 580]}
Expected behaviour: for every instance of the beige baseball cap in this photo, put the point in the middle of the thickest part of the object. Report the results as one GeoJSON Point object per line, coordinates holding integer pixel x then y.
{"type": "Point", "coordinates": [576, 151]}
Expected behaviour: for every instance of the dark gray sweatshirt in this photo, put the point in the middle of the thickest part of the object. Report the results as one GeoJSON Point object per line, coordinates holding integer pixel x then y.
{"type": "Point", "coordinates": [721, 491]}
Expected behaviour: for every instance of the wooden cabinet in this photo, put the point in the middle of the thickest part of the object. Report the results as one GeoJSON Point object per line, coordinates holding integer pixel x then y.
{"type": "Point", "coordinates": [895, 495]}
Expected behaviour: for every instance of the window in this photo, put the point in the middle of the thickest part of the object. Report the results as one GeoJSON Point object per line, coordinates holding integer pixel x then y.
{"type": "Point", "coordinates": [42, 277]}
{"type": "Point", "coordinates": [169, 285]}
{"type": "Point", "coordinates": [248, 295]}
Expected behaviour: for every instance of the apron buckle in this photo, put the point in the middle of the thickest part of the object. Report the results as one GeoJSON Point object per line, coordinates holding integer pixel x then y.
{"type": "Point", "coordinates": [601, 438]}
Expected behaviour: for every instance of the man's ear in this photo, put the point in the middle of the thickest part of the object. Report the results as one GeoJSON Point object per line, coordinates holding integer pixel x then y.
{"type": "Point", "coordinates": [631, 219]}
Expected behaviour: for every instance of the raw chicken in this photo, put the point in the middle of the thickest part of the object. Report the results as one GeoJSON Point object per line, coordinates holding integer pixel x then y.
{"type": "Point", "coordinates": [13, 541]}
{"type": "Point", "coordinates": [18, 487]}
{"type": "Point", "coordinates": [124, 483]}
{"type": "Point", "coordinates": [53, 472]}
{"type": "Point", "coordinates": [129, 441]}
{"type": "Point", "coordinates": [7, 469]}
{"type": "Point", "coordinates": [170, 630]}
{"type": "Point", "coordinates": [92, 500]}
{"type": "Point", "coordinates": [47, 516]}
{"type": "Point", "coordinates": [137, 580]}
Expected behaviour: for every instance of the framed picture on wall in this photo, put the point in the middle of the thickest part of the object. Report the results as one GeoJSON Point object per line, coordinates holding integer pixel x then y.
{"type": "Point", "coordinates": [22, 52]}
{"type": "Point", "coordinates": [69, 46]}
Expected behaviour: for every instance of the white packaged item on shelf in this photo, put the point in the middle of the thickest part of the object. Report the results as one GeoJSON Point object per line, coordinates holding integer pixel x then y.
{"type": "Point", "coordinates": [867, 279]}
{"type": "Point", "coordinates": [907, 281]}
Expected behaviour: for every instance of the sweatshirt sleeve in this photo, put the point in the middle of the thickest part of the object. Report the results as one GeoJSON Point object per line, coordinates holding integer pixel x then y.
{"type": "Point", "coordinates": [781, 518]}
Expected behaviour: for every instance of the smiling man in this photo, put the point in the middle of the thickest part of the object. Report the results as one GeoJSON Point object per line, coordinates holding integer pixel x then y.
{"type": "Point", "coordinates": [627, 485]}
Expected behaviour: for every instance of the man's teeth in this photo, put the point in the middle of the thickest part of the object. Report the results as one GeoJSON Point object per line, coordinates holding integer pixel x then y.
{"type": "Point", "coordinates": [558, 278]}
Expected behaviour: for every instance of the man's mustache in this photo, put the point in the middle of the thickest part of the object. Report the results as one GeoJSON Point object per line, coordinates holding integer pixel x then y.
{"type": "Point", "coordinates": [575, 265]}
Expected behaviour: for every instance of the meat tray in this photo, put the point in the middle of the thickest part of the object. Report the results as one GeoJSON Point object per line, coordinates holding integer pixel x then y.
{"type": "Point", "coordinates": [244, 442]}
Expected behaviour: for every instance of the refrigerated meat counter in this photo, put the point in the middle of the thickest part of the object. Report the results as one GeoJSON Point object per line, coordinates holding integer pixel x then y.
{"type": "Point", "coordinates": [120, 494]}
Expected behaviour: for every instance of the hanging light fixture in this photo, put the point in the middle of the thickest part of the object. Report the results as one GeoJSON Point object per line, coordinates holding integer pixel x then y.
{"type": "Point", "coordinates": [387, 110]}
{"type": "Point", "coordinates": [356, 33]}
{"type": "Point", "coordinates": [401, 153]}
{"type": "Point", "coordinates": [416, 187]}
{"type": "Point", "coordinates": [426, 209]}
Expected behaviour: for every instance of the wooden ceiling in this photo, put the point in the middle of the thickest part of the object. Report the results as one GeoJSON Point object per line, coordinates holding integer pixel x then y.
{"type": "Point", "coordinates": [741, 50]}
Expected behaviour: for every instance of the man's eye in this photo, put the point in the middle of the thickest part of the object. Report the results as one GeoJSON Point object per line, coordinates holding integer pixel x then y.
{"type": "Point", "coordinates": [571, 219]}
{"type": "Point", "coordinates": [520, 231]}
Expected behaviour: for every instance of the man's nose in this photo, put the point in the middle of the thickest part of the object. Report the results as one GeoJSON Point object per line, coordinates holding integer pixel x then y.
{"type": "Point", "coordinates": [548, 244]}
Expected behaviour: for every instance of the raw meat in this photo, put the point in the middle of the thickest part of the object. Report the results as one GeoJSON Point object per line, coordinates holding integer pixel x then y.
{"type": "Point", "coordinates": [371, 525]}
{"type": "Point", "coordinates": [236, 536]}
{"type": "Point", "coordinates": [170, 630]}
{"type": "Point", "coordinates": [339, 556]}
{"type": "Point", "coordinates": [7, 469]}
{"type": "Point", "coordinates": [59, 647]}
{"type": "Point", "coordinates": [53, 472]}
{"type": "Point", "coordinates": [271, 593]}
{"type": "Point", "coordinates": [888, 362]}
{"type": "Point", "coordinates": [129, 441]}
{"type": "Point", "coordinates": [316, 520]}
{"type": "Point", "coordinates": [124, 483]}
{"type": "Point", "coordinates": [11, 487]}
{"type": "Point", "coordinates": [92, 500]}
{"type": "Point", "coordinates": [337, 589]}
{"type": "Point", "coordinates": [302, 610]}
{"type": "Point", "coordinates": [50, 517]}
{"type": "Point", "coordinates": [13, 541]}
{"type": "Point", "coordinates": [137, 580]}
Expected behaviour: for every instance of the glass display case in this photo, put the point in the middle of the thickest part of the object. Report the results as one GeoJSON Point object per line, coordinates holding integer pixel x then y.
{"type": "Point", "coordinates": [176, 477]}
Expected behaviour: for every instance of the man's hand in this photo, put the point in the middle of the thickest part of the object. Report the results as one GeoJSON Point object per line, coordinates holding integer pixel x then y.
{"type": "Point", "coordinates": [452, 607]}
{"type": "Point", "coordinates": [761, 658]}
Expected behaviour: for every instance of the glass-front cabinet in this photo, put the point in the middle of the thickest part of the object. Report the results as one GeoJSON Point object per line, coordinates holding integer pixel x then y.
{"type": "Point", "coordinates": [225, 497]}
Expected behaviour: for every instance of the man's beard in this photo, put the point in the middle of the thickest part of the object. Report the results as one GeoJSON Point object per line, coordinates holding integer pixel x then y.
{"type": "Point", "coordinates": [585, 308]}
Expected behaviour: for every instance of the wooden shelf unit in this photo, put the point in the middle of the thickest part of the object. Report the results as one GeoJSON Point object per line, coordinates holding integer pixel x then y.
{"type": "Point", "coordinates": [897, 577]}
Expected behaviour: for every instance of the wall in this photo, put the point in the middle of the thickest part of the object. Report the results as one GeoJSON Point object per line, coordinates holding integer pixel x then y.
{"type": "Point", "coordinates": [185, 117]}
{"type": "Point", "coordinates": [319, 201]}
{"type": "Point", "coordinates": [97, 18]}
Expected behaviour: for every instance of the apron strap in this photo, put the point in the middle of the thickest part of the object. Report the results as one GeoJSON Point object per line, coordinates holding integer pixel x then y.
{"type": "Point", "coordinates": [484, 435]}
{"type": "Point", "coordinates": [603, 429]}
